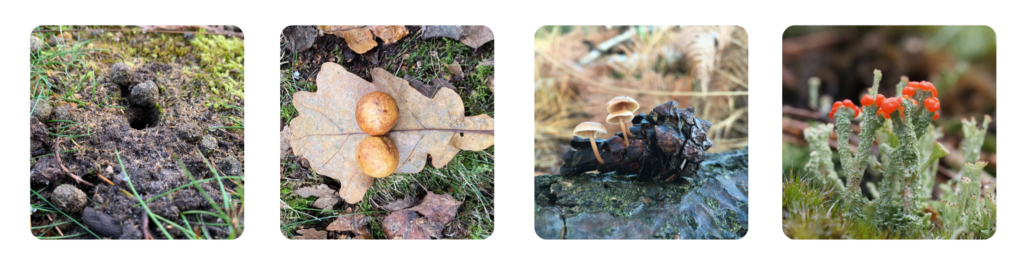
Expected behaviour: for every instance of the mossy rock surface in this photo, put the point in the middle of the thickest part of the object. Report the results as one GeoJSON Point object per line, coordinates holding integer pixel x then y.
{"type": "Point", "coordinates": [610, 207]}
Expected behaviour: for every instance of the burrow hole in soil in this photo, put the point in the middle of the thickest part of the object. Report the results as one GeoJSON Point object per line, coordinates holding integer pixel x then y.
{"type": "Point", "coordinates": [142, 118]}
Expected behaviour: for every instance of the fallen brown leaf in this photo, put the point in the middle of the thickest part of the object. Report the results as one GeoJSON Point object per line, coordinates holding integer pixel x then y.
{"type": "Point", "coordinates": [449, 31]}
{"type": "Point", "coordinates": [405, 224]}
{"type": "Point", "coordinates": [310, 234]}
{"type": "Point", "coordinates": [286, 134]}
{"type": "Point", "coordinates": [350, 223]}
{"type": "Point", "coordinates": [438, 208]}
{"type": "Point", "coordinates": [326, 133]}
{"type": "Point", "coordinates": [473, 36]}
{"type": "Point", "coordinates": [389, 33]}
{"type": "Point", "coordinates": [455, 69]}
{"type": "Point", "coordinates": [399, 204]}
{"type": "Point", "coordinates": [476, 36]}
{"type": "Point", "coordinates": [326, 196]}
{"type": "Point", "coordinates": [359, 40]}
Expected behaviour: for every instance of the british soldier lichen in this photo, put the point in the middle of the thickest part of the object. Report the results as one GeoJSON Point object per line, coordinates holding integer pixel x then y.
{"type": "Point", "coordinates": [907, 164]}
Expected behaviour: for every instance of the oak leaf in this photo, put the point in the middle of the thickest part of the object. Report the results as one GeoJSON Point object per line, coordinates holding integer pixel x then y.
{"type": "Point", "coordinates": [326, 133]}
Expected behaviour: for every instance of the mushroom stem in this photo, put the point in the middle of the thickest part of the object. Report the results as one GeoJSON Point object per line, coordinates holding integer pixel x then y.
{"type": "Point", "coordinates": [596, 153]}
{"type": "Point", "coordinates": [625, 132]}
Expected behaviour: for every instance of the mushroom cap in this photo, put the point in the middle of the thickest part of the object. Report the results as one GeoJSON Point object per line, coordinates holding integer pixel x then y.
{"type": "Point", "coordinates": [588, 129]}
{"type": "Point", "coordinates": [619, 116]}
{"type": "Point", "coordinates": [616, 103]}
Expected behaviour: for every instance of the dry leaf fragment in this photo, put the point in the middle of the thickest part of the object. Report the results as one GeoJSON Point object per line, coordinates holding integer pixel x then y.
{"type": "Point", "coordinates": [490, 83]}
{"type": "Point", "coordinates": [326, 133]}
{"type": "Point", "coordinates": [286, 134]}
{"type": "Point", "coordinates": [300, 38]}
{"type": "Point", "coordinates": [359, 40]}
{"type": "Point", "coordinates": [326, 196]}
{"type": "Point", "coordinates": [389, 33]}
{"type": "Point", "coordinates": [476, 36]}
{"type": "Point", "coordinates": [310, 234]}
{"type": "Point", "coordinates": [350, 223]}
{"type": "Point", "coordinates": [449, 31]}
{"type": "Point", "coordinates": [438, 208]}
{"type": "Point", "coordinates": [455, 69]}
{"type": "Point", "coordinates": [405, 224]}
{"type": "Point", "coordinates": [473, 36]}
{"type": "Point", "coordinates": [399, 204]}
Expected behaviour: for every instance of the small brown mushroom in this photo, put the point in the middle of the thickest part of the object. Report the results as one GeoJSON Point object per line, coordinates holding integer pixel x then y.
{"type": "Point", "coordinates": [620, 118]}
{"type": "Point", "coordinates": [376, 113]}
{"type": "Point", "coordinates": [623, 103]}
{"type": "Point", "coordinates": [377, 156]}
{"type": "Point", "coordinates": [590, 130]}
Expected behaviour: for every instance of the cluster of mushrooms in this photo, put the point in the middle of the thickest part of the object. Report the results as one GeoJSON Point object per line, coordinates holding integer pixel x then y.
{"type": "Point", "coordinates": [620, 111]}
{"type": "Point", "coordinates": [665, 144]}
{"type": "Point", "coordinates": [376, 114]}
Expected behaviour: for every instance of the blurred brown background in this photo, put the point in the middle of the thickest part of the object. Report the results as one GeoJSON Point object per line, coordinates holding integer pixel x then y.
{"type": "Point", "coordinates": [959, 60]}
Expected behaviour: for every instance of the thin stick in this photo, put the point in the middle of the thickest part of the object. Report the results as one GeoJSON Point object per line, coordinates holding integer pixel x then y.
{"type": "Point", "coordinates": [145, 228]}
{"type": "Point", "coordinates": [105, 179]}
{"type": "Point", "coordinates": [56, 150]}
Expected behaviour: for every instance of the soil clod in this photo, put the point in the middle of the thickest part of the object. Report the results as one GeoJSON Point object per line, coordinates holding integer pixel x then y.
{"type": "Point", "coordinates": [207, 144]}
{"type": "Point", "coordinates": [230, 166]}
{"type": "Point", "coordinates": [68, 198]}
{"type": "Point", "coordinates": [120, 74]}
{"type": "Point", "coordinates": [35, 43]}
{"type": "Point", "coordinates": [40, 109]}
{"type": "Point", "coordinates": [145, 94]}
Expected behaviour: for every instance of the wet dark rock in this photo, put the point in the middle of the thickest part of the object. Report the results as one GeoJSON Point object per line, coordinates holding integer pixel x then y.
{"type": "Point", "coordinates": [145, 94]}
{"type": "Point", "coordinates": [300, 38]}
{"type": "Point", "coordinates": [207, 144]}
{"type": "Point", "coordinates": [101, 223]}
{"type": "Point", "coordinates": [35, 43]}
{"type": "Point", "coordinates": [120, 74]}
{"type": "Point", "coordinates": [189, 36]}
{"type": "Point", "coordinates": [68, 198]}
{"type": "Point", "coordinates": [39, 140]}
{"type": "Point", "coordinates": [711, 205]}
{"type": "Point", "coordinates": [548, 223]}
{"type": "Point", "coordinates": [230, 166]}
{"type": "Point", "coordinates": [40, 108]}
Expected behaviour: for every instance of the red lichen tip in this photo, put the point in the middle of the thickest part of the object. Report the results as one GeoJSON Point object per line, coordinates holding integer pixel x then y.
{"type": "Point", "coordinates": [867, 100]}
{"type": "Point", "coordinates": [932, 104]}
{"type": "Point", "coordinates": [908, 91]}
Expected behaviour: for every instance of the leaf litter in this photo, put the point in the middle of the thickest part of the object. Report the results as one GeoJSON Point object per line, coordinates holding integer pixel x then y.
{"type": "Point", "coordinates": [396, 193]}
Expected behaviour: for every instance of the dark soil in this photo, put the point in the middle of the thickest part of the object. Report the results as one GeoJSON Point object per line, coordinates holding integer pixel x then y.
{"type": "Point", "coordinates": [148, 139]}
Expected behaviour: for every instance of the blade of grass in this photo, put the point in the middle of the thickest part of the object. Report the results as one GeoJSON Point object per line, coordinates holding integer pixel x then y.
{"type": "Point", "coordinates": [196, 182]}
